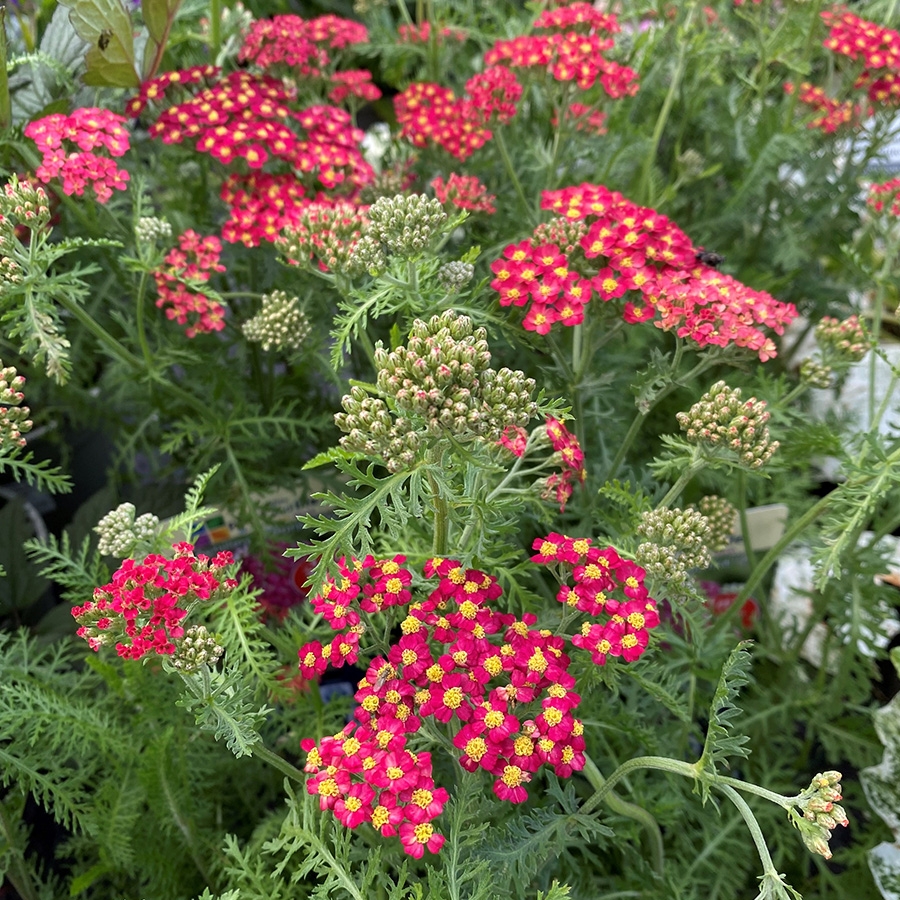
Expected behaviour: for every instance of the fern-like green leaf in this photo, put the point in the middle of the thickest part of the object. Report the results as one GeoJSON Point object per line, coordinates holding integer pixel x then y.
{"type": "Point", "coordinates": [77, 571]}
{"type": "Point", "coordinates": [721, 743]}
{"type": "Point", "coordinates": [221, 702]}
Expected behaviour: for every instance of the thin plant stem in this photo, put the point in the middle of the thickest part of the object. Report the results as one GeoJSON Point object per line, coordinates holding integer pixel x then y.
{"type": "Point", "coordinates": [215, 27]}
{"type": "Point", "coordinates": [683, 480]}
{"type": "Point", "coordinates": [754, 829]}
{"type": "Point", "coordinates": [273, 759]}
{"type": "Point", "coordinates": [630, 811]}
{"type": "Point", "coordinates": [663, 117]}
{"type": "Point", "coordinates": [742, 512]}
{"type": "Point", "coordinates": [18, 873]}
{"type": "Point", "coordinates": [500, 141]}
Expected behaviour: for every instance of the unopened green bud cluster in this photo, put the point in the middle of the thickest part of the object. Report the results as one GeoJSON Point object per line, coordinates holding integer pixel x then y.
{"type": "Point", "coordinates": [405, 225]}
{"type": "Point", "coordinates": [388, 183]}
{"type": "Point", "coordinates": [196, 649]}
{"type": "Point", "coordinates": [842, 342]}
{"type": "Point", "coordinates": [14, 421]}
{"type": "Point", "coordinates": [280, 325]}
{"type": "Point", "coordinates": [366, 255]}
{"type": "Point", "coordinates": [454, 275]}
{"type": "Point", "coordinates": [563, 232]}
{"type": "Point", "coordinates": [815, 374]}
{"type": "Point", "coordinates": [151, 230]}
{"type": "Point", "coordinates": [120, 532]}
{"type": "Point", "coordinates": [720, 515]}
{"type": "Point", "coordinates": [21, 204]}
{"type": "Point", "coordinates": [677, 540]}
{"type": "Point", "coordinates": [820, 812]}
{"type": "Point", "coordinates": [326, 234]}
{"type": "Point", "coordinates": [721, 419]}
{"type": "Point", "coordinates": [440, 384]}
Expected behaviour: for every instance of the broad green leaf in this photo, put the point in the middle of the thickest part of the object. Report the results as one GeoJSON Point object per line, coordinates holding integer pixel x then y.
{"type": "Point", "coordinates": [106, 26]}
{"type": "Point", "coordinates": [158, 17]}
{"type": "Point", "coordinates": [884, 861]}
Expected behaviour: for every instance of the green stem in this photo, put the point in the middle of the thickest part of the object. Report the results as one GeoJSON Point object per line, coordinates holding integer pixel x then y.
{"type": "Point", "coordinates": [754, 829]}
{"type": "Point", "coordinates": [661, 763]}
{"type": "Point", "coordinates": [277, 762]}
{"type": "Point", "coordinates": [695, 465]}
{"type": "Point", "coordinates": [215, 27]}
{"type": "Point", "coordinates": [500, 141]}
{"type": "Point", "coordinates": [441, 519]}
{"type": "Point", "coordinates": [790, 535]}
{"type": "Point", "coordinates": [5, 104]}
{"type": "Point", "coordinates": [663, 117]}
{"type": "Point", "coordinates": [141, 324]}
{"type": "Point", "coordinates": [18, 872]}
{"type": "Point", "coordinates": [630, 811]}
{"type": "Point", "coordinates": [742, 512]}
{"type": "Point", "coordinates": [99, 332]}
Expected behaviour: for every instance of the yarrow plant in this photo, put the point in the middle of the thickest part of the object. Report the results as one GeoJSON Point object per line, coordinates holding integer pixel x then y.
{"type": "Point", "coordinates": [493, 331]}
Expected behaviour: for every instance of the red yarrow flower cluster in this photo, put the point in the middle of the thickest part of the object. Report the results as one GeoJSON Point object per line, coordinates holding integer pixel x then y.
{"type": "Point", "coordinates": [94, 132]}
{"type": "Point", "coordinates": [561, 484]}
{"type": "Point", "coordinates": [876, 46]}
{"type": "Point", "coordinates": [356, 83]}
{"type": "Point", "coordinates": [831, 114]}
{"type": "Point", "coordinates": [431, 114]}
{"type": "Point", "coordinates": [573, 51]}
{"type": "Point", "coordinates": [421, 34]}
{"type": "Point", "coordinates": [498, 680]}
{"type": "Point", "coordinates": [144, 604]}
{"type": "Point", "coordinates": [464, 192]}
{"type": "Point", "coordinates": [583, 118]}
{"type": "Point", "coordinates": [246, 116]}
{"type": "Point", "coordinates": [602, 585]}
{"type": "Point", "coordinates": [186, 266]}
{"type": "Point", "coordinates": [299, 44]}
{"type": "Point", "coordinates": [630, 248]}
{"type": "Point", "coordinates": [885, 196]}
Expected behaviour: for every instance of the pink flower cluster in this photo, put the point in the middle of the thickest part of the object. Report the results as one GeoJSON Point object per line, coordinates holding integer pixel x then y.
{"type": "Point", "coordinates": [431, 114]}
{"type": "Point", "coordinates": [91, 130]}
{"type": "Point", "coordinates": [573, 51]}
{"type": "Point", "coordinates": [627, 247]}
{"type": "Point", "coordinates": [145, 602]}
{"type": "Point", "coordinates": [876, 46]}
{"type": "Point", "coordinates": [464, 192]}
{"type": "Point", "coordinates": [421, 34]}
{"type": "Point", "coordinates": [571, 456]}
{"type": "Point", "coordinates": [597, 577]}
{"type": "Point", "coordinates": [280, 580]}
{"type": "Point", "coordinates": [299, 44]}
{"type": "Point", "coordinates": [502, 683]}
{"type": "Point", "coordinates": [584, 118]}
{"type": "Point", "coordinates": [885, 196]}
{"type": "Point", "coordinates": [193, 261]}
{"type": "Point", "coordinates": [831, 114]}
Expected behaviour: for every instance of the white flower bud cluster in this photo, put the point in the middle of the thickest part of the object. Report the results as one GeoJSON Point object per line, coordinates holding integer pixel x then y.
{"type": "Point", "coordinates": [565, 233]}
{"type": "Point", "coordinates": [120, 532]}
{"type": "Point", "coordinates": [815, 374]}
{"type": "Point", "coordinates": [820, 813]}
{"type": "Point", "coordinates": [22, 203]}
{"type": "Point", "coordinates": [150, 230]}
{"type": "Point", "coordinates": [10, 270]}
{"type": "Point", "coordinates": [454, 275]}
{"type": "Point", "coordinates": [366, 256]}
{"type": "Point", "coordinates": [677, 541]}
{"type": "Point", "coordinates": [14, 421]}
{"type": "Point", "coordinates": [721, 419]}
{"type": "Point", "coordinates": [440, 384]}
{"type": "Point", "coordinates": [197, 648]}
{"type": "Point", "coordinates": [280, 325]}
{"type": "Point", "coordinates": [405, 225]}
{"type": "Point", "coordinates": [842, 342]}
{"type": "Point", "coordinates": [720, 515]}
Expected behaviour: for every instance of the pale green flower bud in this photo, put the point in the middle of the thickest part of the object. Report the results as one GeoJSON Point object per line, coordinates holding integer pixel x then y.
{"type": "Point", "coordinates": [280, 325]}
